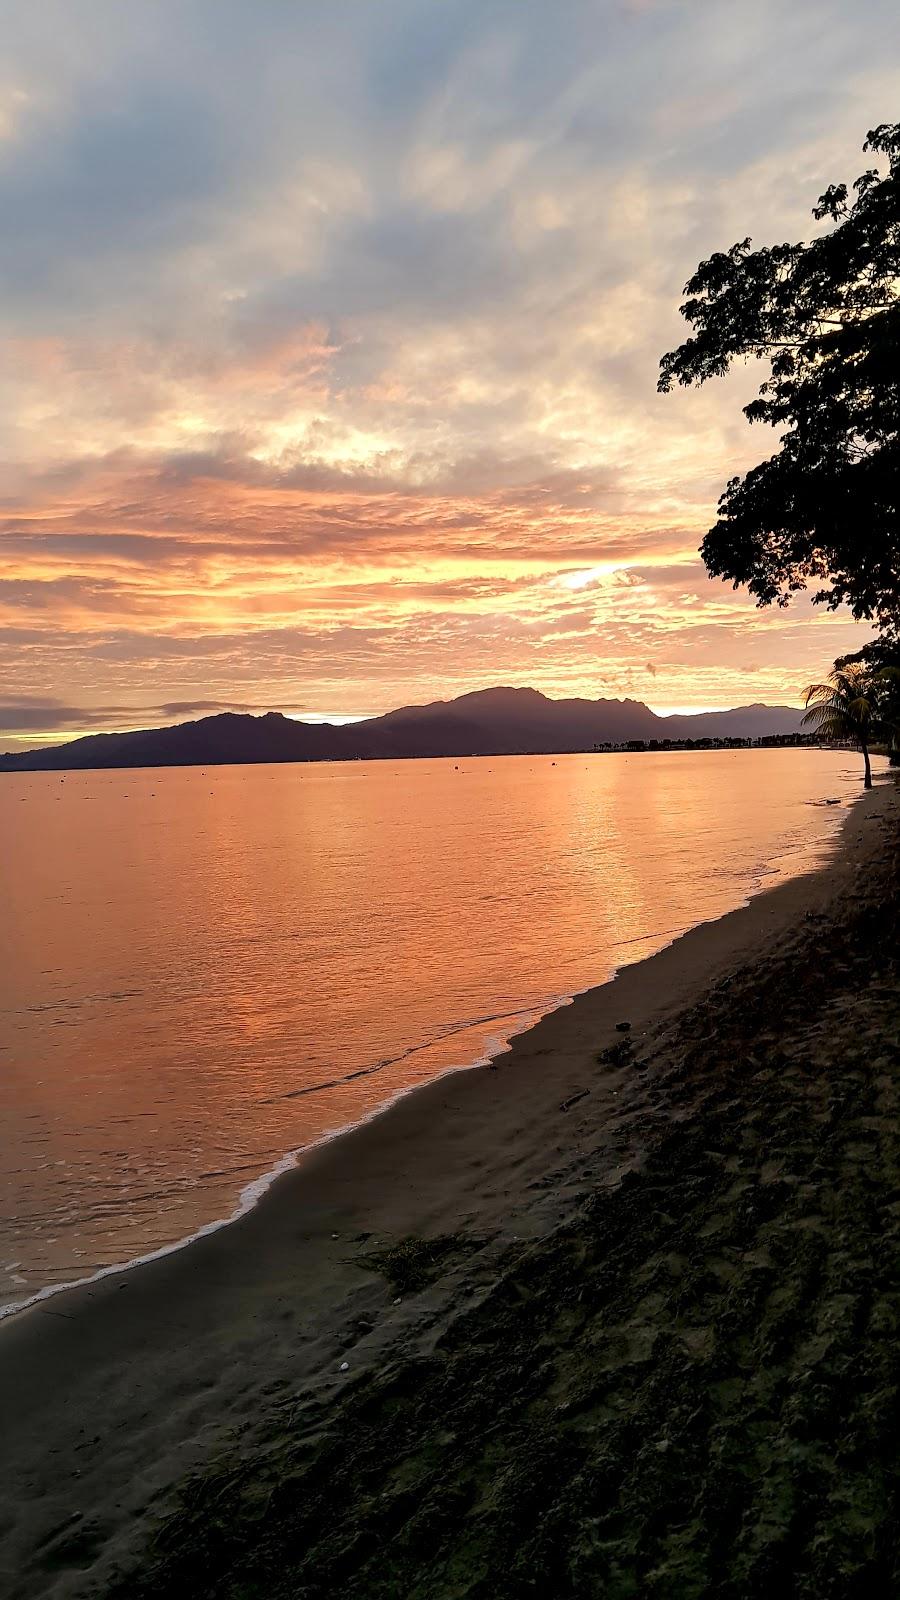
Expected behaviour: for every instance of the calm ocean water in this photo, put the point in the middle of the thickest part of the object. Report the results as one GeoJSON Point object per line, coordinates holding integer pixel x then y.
{"type": "Point", "coordinates": [204, 971]}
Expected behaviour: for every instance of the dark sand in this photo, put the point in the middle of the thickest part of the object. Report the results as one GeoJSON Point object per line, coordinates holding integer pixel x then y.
{"type": "Point", "coordinates": [650, 1345]}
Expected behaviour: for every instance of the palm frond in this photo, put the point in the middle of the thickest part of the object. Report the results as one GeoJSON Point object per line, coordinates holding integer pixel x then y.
{"type": "Point", "coordinates": [818, 691]}
{"type": "Point", "coordinates": [818, 716]}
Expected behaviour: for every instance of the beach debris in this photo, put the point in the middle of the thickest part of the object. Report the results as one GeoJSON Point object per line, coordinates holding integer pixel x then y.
{"type": "Point", "coordinates": [344, 1366]}
{"type": "Point", "coordinates": [620, 1054]}
{"type": "Point", "coordinates": [398, 1301]}
{"type": "Point", "coordinates": [412, 1263]}
{"type": "Point", "coordinates": [573, 1099]}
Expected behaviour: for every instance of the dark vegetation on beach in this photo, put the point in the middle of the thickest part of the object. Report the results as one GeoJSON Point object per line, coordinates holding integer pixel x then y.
{"type": "Point", "coordinates": [411, 1263]}
{"type": "Point", "coordinates": [690, 1388]}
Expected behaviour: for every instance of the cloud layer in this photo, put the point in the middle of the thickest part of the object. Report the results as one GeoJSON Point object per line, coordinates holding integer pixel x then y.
{"type": "Point", "coordinates": [330, 339]}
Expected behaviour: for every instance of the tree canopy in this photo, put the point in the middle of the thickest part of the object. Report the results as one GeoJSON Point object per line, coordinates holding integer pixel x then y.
{"type": "Point", "coordinates": [824, 510]}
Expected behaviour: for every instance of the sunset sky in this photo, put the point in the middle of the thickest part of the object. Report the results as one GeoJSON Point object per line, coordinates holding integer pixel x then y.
{"type": "Point", "coordinates": [331, 332]}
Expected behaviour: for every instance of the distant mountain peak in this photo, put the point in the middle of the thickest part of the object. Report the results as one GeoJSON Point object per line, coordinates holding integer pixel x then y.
{"type": "Point", "coordinates": [503, 691]}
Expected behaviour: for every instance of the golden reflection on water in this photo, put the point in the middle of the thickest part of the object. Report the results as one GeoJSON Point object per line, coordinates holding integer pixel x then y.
{"type": "Point", "coordinates": [204, 970]}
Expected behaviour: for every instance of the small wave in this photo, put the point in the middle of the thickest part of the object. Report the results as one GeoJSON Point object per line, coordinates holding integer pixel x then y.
{"type": "Point", "coordinates": [254, 1191]}
{"type": "Point", "coordinates": [404, 1055]}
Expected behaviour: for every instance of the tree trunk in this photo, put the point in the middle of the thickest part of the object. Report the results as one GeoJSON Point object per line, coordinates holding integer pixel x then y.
{"type": "Point", "coordinates": [867, 782]}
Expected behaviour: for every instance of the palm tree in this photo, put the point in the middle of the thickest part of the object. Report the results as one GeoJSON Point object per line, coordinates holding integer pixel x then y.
{"type": "Point", "coordinates": [842, 710]}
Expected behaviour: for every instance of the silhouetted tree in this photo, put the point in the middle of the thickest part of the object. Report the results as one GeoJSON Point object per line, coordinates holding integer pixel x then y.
{"type": "Point", "coordinates": [880, 659]}
{"type": "Point", "coordinates": [825, 509]}
{"type": "Point", "coordinates": [843, 711]}
{"type": "Point", "coordinates": [876, 655]}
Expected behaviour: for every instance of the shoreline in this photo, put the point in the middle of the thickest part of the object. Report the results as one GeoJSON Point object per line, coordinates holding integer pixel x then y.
{"type": "Point", "coordinates": [676, 747]}
{"type": "Point", "coordinates": [143, 1377]}
{"type": "Point", "coordinates": [495, 1048]}
{"type": "Point", "coordinates": [254, 1191]}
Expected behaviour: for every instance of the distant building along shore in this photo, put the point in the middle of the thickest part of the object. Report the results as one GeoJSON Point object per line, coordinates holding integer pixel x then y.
{"type": "Point", "coordinates": [767, 741]}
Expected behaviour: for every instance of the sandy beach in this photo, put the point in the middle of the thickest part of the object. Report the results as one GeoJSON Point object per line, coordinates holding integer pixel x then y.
{"type": "Point", "coordinates": [615, 1315]}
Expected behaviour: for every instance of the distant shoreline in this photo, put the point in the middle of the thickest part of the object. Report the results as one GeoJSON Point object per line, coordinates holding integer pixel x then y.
{"type": "Point", "coordinates": [685, 747]}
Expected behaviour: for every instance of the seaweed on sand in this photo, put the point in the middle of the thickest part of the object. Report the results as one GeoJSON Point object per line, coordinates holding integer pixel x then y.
{"type": "Point", "coordinates": [412, 1263]}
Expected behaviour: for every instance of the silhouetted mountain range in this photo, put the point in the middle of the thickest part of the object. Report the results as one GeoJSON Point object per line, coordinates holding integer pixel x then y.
{"type": "Point", "coordinates": [487, 722]}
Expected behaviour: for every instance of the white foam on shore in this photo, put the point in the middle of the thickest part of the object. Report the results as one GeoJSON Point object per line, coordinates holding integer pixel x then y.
{"type": "Point", "coordinates": [497, 1044]}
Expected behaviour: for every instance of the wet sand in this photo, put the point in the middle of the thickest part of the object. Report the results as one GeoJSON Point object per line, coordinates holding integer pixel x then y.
{"type": "Point", "coordinates": [619, 1313]}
